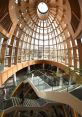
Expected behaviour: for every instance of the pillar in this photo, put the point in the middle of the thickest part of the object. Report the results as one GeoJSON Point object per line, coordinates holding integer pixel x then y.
{"type": "Point", "coordinates": [80, 54]}
{"type": "Point", "coordinates": [5, 93]}
{"type": "Point", "coordinates": [32, 77]}
{"type": "Point", "coordinates": [70, 81]}
{"type": "Point", "coordinates": [15, 79]}
{"type": "Point", "coordinates": [43, 66]}
{"type": "Point", "coordinates": [61, 81]}
{"type": "Point", "coordinates": [2, 54]}
{"type": "Point", "coordinates": [29, 69]}
{"type": "Point", "coordinates": [57, 70]}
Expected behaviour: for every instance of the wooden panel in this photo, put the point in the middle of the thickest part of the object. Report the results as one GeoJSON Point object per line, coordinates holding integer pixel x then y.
{"type": "Point", "coordinates": [14, 69]}
{"type": "Point", "coordinates": [75, 14]}
{"type": "Point", "coordinates": [4, 76]}
{"type": "Point", "coordinates": [9, 73]}
{"type": "Point", "coordinates": [75, 7]}
{"type": "Point", "coordinates": [18, 88]}
{"type": "Point", "coordinates": [19, 66]}
{"type": "Point", "coordinates": [0, 79]}
{"type": "Point", "coordinates": [5, 20]}
{"type": "Point", "coordinates": [11, 70]}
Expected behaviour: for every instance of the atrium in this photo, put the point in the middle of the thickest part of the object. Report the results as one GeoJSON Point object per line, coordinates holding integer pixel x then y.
{"type": "Point", "coordinates": [40, 58]}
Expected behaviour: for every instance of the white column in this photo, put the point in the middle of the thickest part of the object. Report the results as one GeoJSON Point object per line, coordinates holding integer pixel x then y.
{"type": "Point", "coordinates": [57, 70]}
{"type": "Point", "coordinates": [15, 79]}
{"type": "Point", "coordinates": [61, 81]}
{"type": "Point", "coordinates": [5, 93]}
{"type": "Point", "coordinates": [70, 80]}
{"type": "Point", "coordinates": [32, 76]}
{"type": "Point", "coordinates": [1, 63]}
{"type": "Point", "coordinates": [43, 66]}
{"type": "Point", "coordinates": [28, 68]}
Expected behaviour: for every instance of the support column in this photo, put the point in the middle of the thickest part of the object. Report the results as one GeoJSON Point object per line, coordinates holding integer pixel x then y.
{"type": "Point", "coordinates": [15, 79]}
{"type": "Point", "coordinates": [43, 66]}
{"type": "Point", "coordinates": [70, 81]}
{"type": "Point", "coordinates": [80, 54]}
{"type": "Point", "coordinates": [2, 54]}
{"type": "Point", "coordinates": [57, 70]}
{"type": "Point", "coordinates": [61, 81]}
{"type": "Point", "coordinates": [32, 77]}
{"type": "Point", "coordinates": [29, 69]}
{"type": "Point", "coordinates": [0, 80]}
{"type": "Point", "coordinates": [5, 93]}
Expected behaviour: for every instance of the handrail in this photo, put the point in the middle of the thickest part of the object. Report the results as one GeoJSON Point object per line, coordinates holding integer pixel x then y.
{"type": "Point", "coordinates": [47, 87]}
{"type": "Point", "coordinates": [16, 102]}
{"type": "Point", "coordinates": [17, 88]}
{"type": "Point", "coordinates": [61, 97]}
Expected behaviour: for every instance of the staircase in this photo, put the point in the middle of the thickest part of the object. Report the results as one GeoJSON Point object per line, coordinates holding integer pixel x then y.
{"type": "Point", "coordinates": [15, 102]}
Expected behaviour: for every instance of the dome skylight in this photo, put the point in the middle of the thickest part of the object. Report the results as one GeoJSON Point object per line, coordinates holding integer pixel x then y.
{"type": "Point", "coordinates": [42, 7]}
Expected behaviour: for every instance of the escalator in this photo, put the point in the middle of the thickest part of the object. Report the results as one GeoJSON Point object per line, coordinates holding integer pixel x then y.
{"type": "Point", "coordinates": [77, 93]}
{"type": "Point", "coordinates": [37, 98]}
{"type": "Point", "coordinates": [39, 107]}
{"type": "Point", "coordinates": [58, 96]}
{"type": "Point", "coordinates": [31, 108]}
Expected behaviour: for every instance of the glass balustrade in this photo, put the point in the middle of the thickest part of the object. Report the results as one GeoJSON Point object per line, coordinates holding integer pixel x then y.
{"type": "Point", "coordinates": [44, 82]}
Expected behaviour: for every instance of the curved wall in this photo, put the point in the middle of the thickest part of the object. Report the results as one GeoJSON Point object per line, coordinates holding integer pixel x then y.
{"type": "Point", "coordinates": [4, 75]}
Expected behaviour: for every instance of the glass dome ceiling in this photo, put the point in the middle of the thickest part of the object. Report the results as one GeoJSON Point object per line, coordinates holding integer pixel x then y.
{"type": "Point", "coordinates": [42, 7]}
{"type": "Point", "coordinates": [43, 39]}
